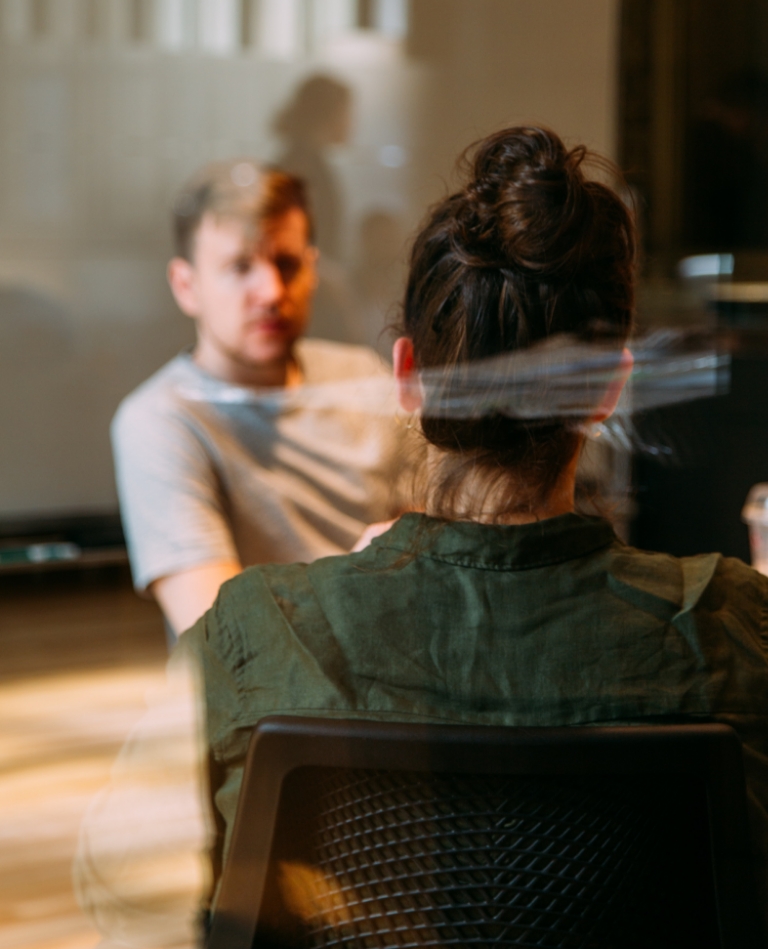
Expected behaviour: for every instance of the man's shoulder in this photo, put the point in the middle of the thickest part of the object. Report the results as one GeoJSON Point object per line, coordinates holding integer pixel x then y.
{"type": "Point", "coordinates": [158, 395]}
{"type": "Point", "coordinates": [325, 360]}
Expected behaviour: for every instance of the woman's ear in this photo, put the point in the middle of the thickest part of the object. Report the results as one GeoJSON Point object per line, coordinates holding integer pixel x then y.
{"type": "Point", "coordinates": [612, 394]}
{"type": "Point", "coordinates": [409, 391]}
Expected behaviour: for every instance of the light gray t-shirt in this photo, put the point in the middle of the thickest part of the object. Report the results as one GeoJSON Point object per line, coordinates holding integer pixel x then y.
{"type": "Point", "coordinates": [208, 471]}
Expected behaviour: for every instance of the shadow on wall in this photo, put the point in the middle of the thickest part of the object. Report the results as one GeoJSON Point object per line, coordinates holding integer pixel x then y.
{"type": "Point", "coordinates": [41, 396]}
{"type": "Point", "coordinates": [317, 118]}
{"type": "Point", "coordinates": [59, 387]}
{"type": "Point", "coordinates": [352, 306]}
{"type": "Point", "coordinates": [378, 277]}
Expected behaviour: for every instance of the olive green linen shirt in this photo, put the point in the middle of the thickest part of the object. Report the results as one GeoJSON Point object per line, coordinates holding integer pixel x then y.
{"type": "Point", "coordinates": [551, 623]}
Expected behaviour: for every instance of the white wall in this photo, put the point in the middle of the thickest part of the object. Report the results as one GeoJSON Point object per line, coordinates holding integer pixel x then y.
{"type": "Point", "coordinates": [557, 60]}
{"type": "Point", "coordinates": [513, 62]}
{"type": "Point", "coordinates": [99, 126]}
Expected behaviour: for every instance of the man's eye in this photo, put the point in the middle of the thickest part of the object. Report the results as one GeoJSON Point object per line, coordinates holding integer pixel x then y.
{"type": "Point", "coordinates": [288, 266]}
{"type": "Point", "coordinates": [241, 266]}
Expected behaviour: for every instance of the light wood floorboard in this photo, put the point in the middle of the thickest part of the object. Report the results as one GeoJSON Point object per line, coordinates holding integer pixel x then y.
{"type": "Point", "coordinates": [78, 654]}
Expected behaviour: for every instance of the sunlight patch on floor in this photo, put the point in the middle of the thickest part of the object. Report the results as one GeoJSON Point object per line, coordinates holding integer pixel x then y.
{"type": "Point", "coordinates": [61, 734]}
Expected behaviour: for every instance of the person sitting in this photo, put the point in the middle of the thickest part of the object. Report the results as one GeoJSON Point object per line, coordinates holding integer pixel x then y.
{"type": "Point", "coordinates": [500, 604]}
{"type": "Point", "coordinates": [224, 457]}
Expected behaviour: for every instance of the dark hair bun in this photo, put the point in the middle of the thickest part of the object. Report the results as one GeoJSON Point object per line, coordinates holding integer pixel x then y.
{"type": "Point", "coordinates": [528, 202]}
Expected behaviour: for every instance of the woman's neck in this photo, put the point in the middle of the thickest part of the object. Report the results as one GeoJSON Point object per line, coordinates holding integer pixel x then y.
{"type": "Point", "coordinates": [488, 499]}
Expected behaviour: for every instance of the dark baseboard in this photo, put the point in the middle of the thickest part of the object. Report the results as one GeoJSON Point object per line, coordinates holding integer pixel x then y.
{"type": "Point", "coordinates": [44, 542]}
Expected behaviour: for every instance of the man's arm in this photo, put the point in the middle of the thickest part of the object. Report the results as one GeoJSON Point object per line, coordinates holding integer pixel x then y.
{"type": "Point", "coordinates": [371, 531]}
{"type": "Point", "coordinates": [174, 513]}
{"type": "Point", "coordinates": [185, 596]}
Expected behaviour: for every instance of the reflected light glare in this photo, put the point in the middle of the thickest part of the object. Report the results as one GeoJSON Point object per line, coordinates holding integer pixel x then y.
{"type": "Point", "coordinates": [243, 174]}
{"type": "Point", "coordinates": [557, 379]}
{"type": "Point", "coordinates": [706, 265]}
{"type": "Point", "coordinates": [392, 156]}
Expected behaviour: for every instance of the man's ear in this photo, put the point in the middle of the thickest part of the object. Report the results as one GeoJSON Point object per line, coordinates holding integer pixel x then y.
{"type": "Point", "coordinates": [612, 394]}
{"type": "Point", "coordinates": [409, 392]}
{"type": "Point", "coordinates": [181, 277]}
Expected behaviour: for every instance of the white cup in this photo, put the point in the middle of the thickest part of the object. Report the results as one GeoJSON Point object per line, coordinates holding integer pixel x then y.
{"type": "Point", "coordinates": [755, 514]}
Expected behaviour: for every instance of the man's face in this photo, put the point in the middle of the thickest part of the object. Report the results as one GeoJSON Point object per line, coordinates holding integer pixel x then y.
{"type": "Point", "coordinates": [250, 297]}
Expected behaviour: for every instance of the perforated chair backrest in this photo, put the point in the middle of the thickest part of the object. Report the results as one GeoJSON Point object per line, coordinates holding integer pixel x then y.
{"type": "Point", "coordinates": [363, 834]}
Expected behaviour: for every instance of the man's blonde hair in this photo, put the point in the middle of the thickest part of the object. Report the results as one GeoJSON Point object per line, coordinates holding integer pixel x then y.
{"type": "Point", "coordinates": [239, 189]}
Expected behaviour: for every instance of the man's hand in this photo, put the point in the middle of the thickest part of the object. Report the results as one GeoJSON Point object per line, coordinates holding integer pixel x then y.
{"type": "Point", "coordinates": [185, 596]}
{"type": "Point", "coordinates": [371, 531]}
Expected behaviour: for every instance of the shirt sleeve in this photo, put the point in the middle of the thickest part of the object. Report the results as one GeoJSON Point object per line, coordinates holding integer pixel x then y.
{"type": "Point", "coordinates": [171, 502]}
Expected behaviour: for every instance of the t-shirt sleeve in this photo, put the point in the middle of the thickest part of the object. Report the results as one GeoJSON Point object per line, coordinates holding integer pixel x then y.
{"type": "Point", "coordinates": [171, 501]}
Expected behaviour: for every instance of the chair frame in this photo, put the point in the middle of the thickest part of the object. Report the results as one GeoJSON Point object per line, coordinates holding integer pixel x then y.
{"type": "Point", "coordinates": [280, 744]}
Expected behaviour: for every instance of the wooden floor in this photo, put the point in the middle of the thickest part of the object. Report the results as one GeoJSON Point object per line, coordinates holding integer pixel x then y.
{"type": "Point", "coordinates": [79, 651]}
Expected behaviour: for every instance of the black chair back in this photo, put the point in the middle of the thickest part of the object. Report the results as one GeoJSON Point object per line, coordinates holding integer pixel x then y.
{"type": "Point", "coordinates": [364, 834]}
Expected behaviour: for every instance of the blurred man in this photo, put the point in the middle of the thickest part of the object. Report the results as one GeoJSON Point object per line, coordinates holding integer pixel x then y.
{"type": "Point", "coordinates": [232, 454]}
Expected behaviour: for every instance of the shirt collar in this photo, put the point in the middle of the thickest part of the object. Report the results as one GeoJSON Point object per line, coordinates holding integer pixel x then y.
{"type": "Point", "coordinates": [498, 547]}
